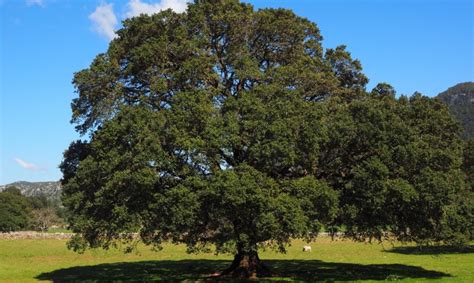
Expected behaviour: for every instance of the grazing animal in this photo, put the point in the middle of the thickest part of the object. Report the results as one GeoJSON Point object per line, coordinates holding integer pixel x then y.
{"type": "Point", "coordinates": [306, 248]}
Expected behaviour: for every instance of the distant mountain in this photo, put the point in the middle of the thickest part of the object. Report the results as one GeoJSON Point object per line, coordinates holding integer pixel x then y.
{"type": "Point", "coordinates": [460, 99]}
{"type": "Point", "coordinates": [52, 190]}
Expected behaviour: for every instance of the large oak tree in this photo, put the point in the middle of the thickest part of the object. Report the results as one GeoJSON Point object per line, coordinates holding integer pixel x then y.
{"type": "Point", "coordinates": [229, 128]}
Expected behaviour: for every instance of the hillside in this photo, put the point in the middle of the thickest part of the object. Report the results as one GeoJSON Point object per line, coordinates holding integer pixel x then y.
{"type": "Point", "coordinates": [460, 99]}
{"type": "Point", "coordinates": [51, 190]}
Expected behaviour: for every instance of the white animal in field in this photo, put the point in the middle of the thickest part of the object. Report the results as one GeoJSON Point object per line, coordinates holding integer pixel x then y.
{"type": "Point", "coordinates": [306, 248]}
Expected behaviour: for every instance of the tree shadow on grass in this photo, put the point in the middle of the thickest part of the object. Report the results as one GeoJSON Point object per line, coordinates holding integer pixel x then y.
{"type": "Point", "coordinates": [193, 270]}
{"type": "Point", "coordinates": [432, 250]}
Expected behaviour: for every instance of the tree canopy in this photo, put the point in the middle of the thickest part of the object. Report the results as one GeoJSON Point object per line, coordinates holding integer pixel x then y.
{"type": "Point", "coordinates": [232, 128]}
{"type": "Point", "coordinates": [14, 210]}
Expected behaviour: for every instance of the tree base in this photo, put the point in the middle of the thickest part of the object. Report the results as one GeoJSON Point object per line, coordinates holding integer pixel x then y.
{"type": "Point", "coordinates": [246, 265]}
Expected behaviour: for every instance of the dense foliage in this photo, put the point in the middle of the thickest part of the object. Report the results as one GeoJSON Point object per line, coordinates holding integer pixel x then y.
{"type": "Point", "coordinates": [19, 212]}
{"type": "Point", "coordinates": [460, 100]}
{"type": "Point", "coordinates": [14, 210]}
{"type": "Point", "coordinates": [468, 162]}
{"type": "Point", "coordinates": [232, 128]}
{"type": "Point", "coordinates": [396, 164]}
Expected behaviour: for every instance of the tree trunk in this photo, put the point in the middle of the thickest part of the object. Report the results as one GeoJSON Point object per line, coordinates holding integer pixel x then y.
{"type": "Point", "coordinates": [246, 265]}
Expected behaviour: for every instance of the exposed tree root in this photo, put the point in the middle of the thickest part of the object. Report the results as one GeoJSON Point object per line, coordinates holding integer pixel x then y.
{"type": "Point", "coordinates": [246, 265]}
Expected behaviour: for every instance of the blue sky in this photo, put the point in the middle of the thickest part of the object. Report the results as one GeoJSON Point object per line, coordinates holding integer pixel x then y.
{"type": "Point", "coordinates": [416, 45]}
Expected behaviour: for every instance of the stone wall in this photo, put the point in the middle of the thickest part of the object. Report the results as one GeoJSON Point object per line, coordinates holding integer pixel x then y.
{"type": "Point", "coordinates": [34, 235]}
{"type": "Point", "coordinates": [40, 235]}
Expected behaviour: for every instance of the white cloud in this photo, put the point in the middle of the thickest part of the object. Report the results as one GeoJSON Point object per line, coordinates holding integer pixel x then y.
{"type": "Point", "coordinates": [104, 20]}
{"type": "Point", "coordinates": [137, 7]}
{"type": "Point", "coordinates": [27, 165]}
{"type": "Point", "coordinates": [35, 2]}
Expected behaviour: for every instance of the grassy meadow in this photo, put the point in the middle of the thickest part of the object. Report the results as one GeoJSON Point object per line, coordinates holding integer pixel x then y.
{"type": "Point", "coordinates": [50, 260]}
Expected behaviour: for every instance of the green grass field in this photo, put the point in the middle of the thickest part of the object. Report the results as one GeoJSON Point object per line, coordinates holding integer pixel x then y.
{"type": "Point", "coordinates": [31, 260]}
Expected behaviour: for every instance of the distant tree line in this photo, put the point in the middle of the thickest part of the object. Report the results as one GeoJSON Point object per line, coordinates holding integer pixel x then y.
{"type": "Point", "coordinates": [19, 212]}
